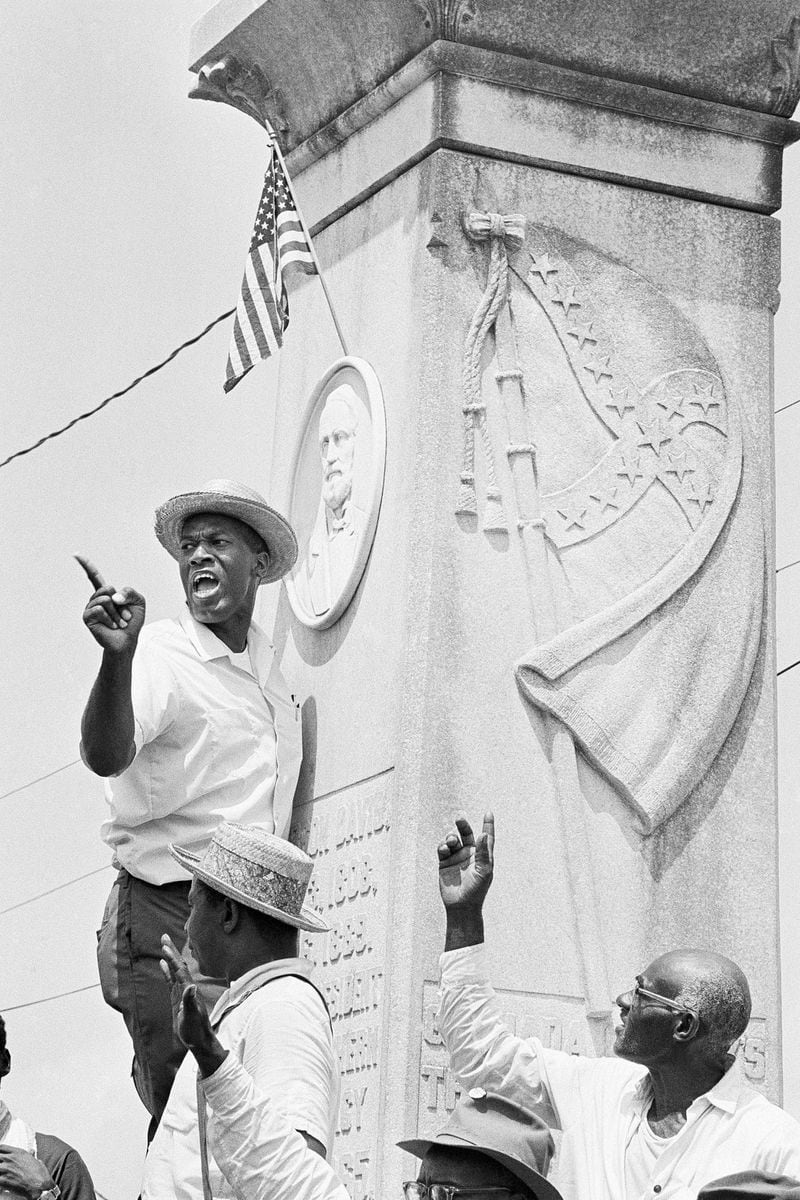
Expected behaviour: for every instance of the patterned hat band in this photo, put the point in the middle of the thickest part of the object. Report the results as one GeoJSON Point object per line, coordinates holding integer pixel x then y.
{"type": "Point", "coordinates": [254, 879]}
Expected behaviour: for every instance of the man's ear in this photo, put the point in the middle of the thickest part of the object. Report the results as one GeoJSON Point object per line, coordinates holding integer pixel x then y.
{"type": "Point", "coordinates": [5, 1064]}
{"type": "Point", "coordinates": [231, 914]}
{"type": "Point", "coordinates": [262, 563]}
{"type": "Point", "coordinates": [686, 1027]}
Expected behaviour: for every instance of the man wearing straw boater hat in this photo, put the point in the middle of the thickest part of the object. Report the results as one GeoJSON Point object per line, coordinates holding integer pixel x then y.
{"type": "Point", "coordinates": [191, 722]}
{"type": "Point", "coordinates": [247, 904]}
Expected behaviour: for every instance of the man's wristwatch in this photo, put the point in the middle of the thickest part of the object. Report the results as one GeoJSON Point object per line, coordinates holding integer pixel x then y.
{"type": "Point", "coordinates": [52, 1193]}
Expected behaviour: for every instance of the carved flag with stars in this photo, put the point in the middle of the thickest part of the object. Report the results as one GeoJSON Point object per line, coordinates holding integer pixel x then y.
{"type": "Point", "coordinates": [652, 519]}
{"type": "Point", "coordinates": [278, 245]}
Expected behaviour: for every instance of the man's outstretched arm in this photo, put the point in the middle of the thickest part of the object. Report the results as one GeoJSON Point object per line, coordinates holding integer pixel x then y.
{"type": "Point", "coordinates": [483, 1053]}
{"type": "Point", "coordinates": [114, 619]}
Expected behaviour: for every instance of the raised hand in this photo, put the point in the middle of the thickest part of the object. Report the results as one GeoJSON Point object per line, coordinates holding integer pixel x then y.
{"type": "Point", "coordinates": [466, 864]}
{"type": "Point", "coordinates": [115, 618]}
{"type": "Point", "coordinates": [179, 977]}
{"type": "Point", "coordinates": [189, 1011]}
{"type": "Point", "coordinates": [466, 867]}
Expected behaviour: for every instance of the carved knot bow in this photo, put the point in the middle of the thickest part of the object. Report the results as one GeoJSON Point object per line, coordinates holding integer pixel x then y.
{"type": "Point", "coordinates": [480, 226]}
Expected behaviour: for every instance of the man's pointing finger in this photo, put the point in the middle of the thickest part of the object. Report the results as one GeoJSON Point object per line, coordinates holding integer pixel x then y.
{"type": "Point", "coordinates": [95, 578]}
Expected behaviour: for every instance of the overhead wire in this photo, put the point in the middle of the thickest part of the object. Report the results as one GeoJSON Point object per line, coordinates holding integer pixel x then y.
{"type": "Point", "coordinates": [23, 786]}
{"type": "Point", "coordinates": [46, 999]}
{"type": "Point", "coordinates": [115, 396]}
{"type": "Point", "coordinates": [58, 888]}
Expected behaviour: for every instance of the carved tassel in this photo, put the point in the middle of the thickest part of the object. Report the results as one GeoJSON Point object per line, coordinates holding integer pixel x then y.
{"type": "Point", "coordinates": [467, 497]}
{"type": "Point", "coordinates": [494, 517]}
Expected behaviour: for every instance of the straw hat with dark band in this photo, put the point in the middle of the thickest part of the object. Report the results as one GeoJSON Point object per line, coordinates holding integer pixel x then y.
{"type": "Point", "coordinates": [513, 1136]}
{"type": "Point", "coordinates": [232, 500]}
{"type": "Point", "coordinates": [259, 870]}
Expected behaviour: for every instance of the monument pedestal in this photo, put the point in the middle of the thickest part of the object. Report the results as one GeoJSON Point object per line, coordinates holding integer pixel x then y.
{"type": "Point", "coordinates": [567, 612]}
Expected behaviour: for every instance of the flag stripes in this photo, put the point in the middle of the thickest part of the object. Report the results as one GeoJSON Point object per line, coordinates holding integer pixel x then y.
{"type": "Point", "coordinates": [279, 243]}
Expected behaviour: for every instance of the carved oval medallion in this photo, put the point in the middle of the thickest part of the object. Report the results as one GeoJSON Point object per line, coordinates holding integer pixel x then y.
{"type": "Point", "coordinates": [337, 484]}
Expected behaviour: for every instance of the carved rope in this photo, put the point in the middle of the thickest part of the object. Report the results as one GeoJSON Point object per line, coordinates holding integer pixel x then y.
{"type": "Point", "coordinates": [500, 231]}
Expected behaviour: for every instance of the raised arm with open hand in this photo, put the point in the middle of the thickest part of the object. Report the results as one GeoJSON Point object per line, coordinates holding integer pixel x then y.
{"type": "Point", "coordinates": [191, 1018]}
{"type": "Point", "coordinates": [466, 867]}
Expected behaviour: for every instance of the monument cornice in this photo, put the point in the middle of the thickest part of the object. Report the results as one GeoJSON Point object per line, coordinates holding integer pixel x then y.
{"type": "Point", "coordinates": [560, 83]}
{"type": "Point", "coordinates": [327, 54]}
{"type": "Point", "coordinates": [457, 96]}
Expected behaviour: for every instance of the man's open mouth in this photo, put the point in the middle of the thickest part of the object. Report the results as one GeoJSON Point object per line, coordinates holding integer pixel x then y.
{"type": "Point", "coordinates": [204, 584]}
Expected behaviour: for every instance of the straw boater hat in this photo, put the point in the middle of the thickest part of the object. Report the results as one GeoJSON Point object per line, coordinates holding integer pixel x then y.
{"type": "Point", "coordinates": [513, 1136]}
{"type": "Point", "coordinates": [233, 500]}
{"type": "Point", "coordinates": [259, 870]}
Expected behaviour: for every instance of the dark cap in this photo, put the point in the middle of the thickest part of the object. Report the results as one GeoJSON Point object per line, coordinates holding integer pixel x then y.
{"type": "Point", "coordinates": [513, 1136]}
{"type": "Point", "coordinates": [754, 1184]}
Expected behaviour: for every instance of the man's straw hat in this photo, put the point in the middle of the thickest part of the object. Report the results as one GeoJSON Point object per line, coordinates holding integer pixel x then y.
{"type": "Point", "coordinates": [259, 870]}
{"type": "Point", "coordinates": [232, 500]}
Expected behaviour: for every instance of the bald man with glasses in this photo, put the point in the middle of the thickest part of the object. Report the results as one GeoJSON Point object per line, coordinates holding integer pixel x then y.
{"type": "Point", "coordinates": [665, 1116]}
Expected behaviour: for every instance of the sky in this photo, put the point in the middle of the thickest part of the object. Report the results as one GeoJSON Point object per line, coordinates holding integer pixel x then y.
{"type": "Point", "coordinates": [126, 211]}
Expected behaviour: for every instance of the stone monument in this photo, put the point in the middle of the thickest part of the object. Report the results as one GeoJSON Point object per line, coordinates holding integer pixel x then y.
{"type": "Point", "coordinates": [547, 230]}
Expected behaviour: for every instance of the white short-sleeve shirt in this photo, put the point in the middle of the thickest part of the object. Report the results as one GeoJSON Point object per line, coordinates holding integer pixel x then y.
{"type": "Point", "coordinates": [214, 741]}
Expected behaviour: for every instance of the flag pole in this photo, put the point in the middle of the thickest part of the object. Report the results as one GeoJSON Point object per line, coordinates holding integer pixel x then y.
{"type": "Point", "coordinates": [274, 142]}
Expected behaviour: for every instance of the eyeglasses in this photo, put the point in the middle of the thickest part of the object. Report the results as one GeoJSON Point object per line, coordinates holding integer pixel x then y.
{"type": "Point", "coordinates": [413, 1190]}
{"type": "Point", "coordinates": [675, 1005]}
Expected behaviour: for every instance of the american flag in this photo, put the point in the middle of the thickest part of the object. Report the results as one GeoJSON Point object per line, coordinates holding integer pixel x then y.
{"type": "Point", "coordinates": [278, 243]}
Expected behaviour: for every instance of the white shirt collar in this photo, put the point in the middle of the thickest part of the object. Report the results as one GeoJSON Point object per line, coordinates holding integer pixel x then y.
{"type": "Point", "coordinates": [208, 646]}
{"type": "Point", "coordinates": [726, 1094]}
{"type": "Point", "coordinates": [241, 988]}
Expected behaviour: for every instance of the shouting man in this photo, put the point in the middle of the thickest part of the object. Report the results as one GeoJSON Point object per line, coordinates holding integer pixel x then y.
{"type": "Point", "coordinates": [191, 722]}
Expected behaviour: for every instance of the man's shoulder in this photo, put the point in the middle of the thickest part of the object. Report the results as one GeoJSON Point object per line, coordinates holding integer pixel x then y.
{"type": "Point", "coordinates": [57, 1154]}
{"type": "Point", "coordinates": [602, 1071]}
{"type": "Point", "coordinates": [293, 993]}
{"type": "Point", "coordinates": [49, 1147]}
{"type": "Point", "coordinates": [769, 1114]}
{"type": "Point", "coordinates": [164, 641]}
{"type": "Point", "coordinates": [167, 630]}
{"type": "Point", "coordinates": [294, 985]}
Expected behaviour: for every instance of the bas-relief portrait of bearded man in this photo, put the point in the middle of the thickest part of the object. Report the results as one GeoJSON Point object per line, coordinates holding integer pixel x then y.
{"type": "Point", "coordinates": [336, 534]}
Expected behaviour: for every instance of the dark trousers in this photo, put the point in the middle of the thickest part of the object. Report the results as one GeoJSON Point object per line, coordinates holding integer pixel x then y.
{"type": "Point", "coordinates": [128, 953]}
